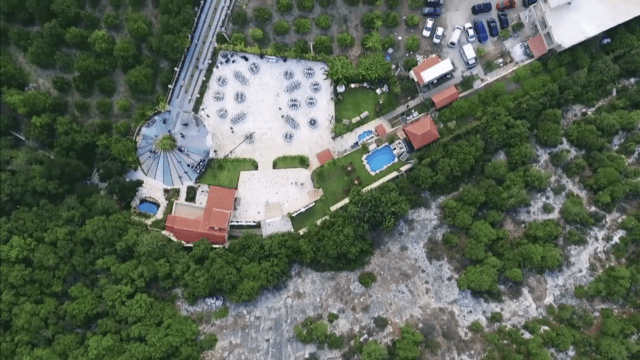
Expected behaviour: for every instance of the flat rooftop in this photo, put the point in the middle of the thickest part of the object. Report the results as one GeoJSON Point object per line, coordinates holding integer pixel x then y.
{"type": "Point", "coordinates": [574, 21]}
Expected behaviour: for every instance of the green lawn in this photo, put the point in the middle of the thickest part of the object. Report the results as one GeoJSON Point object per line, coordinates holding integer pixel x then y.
{"type": "Point", "coordinates": [336, 183]}
{"type": "Point", "coordinates": [226, 172]}
{"type": "Point", "coordinates": [291, 162]}
{"type": "Point", "coordinates": [355, 102]}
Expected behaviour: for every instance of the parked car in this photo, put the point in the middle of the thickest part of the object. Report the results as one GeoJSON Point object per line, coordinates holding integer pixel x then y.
{"type": "Point", "coordinates": [437, 37]}
{"type": "Point", "coordinates": [480, 31]}
{"type": "Point", "coordinates": [503, 5]}
{"type": "Point", "coordinates": [504, 20]}
{"type": "Point", "coordinates": [433, 3]}
{"type": "Point", "coordinates": [431, 11]}
{"type": "Point", "coordinates": [528, 3]}
{"type": "Point", "coordinates": [428, 27]}
{"type": "Point", "coordinates": [471, 35]}
{"type": "Point", "coordinates": [481, 8]}
{"type": "Point", "coordinates": [492, 24]}
{"type": "Point", "coordinates": [455, 36]}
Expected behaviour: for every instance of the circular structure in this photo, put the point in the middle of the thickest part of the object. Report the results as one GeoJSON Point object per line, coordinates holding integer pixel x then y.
{"type": "Point", "coordinates": [313, 123]}
{"type": "Point", "coordinates": [315, 87]}
{"type": "Point", "coordinates": [250, 138]}
{"type": "Point", "coordinates": [293, 103]}
{"type": "Point", "coordinates": [308, 72]}
{"type": "Point", "coordinates": [166, 143]}
{"type": "Point", "coordinates": [254, 68]}
{"type": "Point", "coordinates": [222, 113]}
{"type": "Point", "coordinates": [292, 86]}
{"type": "Point", "coordinates": [311, 101]}
{"type": "Point", "coordinates": [288, 74]}
{"type": "Point", "coordinates": [240, 77]}
{"type": "Point", "coordinates": [288, 137]}
{"type": "Point", "coordinates": [221, 80]}
{"type": "Point", "coordinates": [218, 95]}
{"type": "Point", "coordinates": [239, 97]}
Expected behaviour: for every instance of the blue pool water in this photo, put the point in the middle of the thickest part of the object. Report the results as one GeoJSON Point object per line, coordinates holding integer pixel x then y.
{"type": "Point", "coordinates": [364, 135]}
{"type": "Point", "coordinates": [379, 158]}
{"type": "Point", "coordinates": [148, 207]}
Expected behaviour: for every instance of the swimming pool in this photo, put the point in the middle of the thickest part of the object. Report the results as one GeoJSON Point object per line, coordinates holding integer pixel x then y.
{"type": "Point", "coordinates": [364, 135]}
{"type": "Point", "coordinates": [379, 159]}
{"type": "Point", "coordinates": [148, 207]}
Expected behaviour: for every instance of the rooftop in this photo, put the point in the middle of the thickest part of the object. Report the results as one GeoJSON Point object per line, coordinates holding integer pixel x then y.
{"type": "Point", "coordinates": [324, 156]}
{"type": "Point", "coordinates": [380, 130]}
{"type": "Point", "coordinates": [445, 97]}
{"type": "Point", "coordinates": [416, 72]}
{"type": "Point", "coordinates": [422, 132]}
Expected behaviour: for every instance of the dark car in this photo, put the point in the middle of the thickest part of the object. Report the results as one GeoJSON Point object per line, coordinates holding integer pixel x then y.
{"type": "Point", "coordinates": [431, 11]}
{"type": "Point", "coordinates": [504, 20]}
{"type": "Point", "coordinates": [481, 32]}
{"type": "Point", "coordinates": [493, 27]}
{"type": "Point", "coordinates": [528, 3]}
{"type": "Point", "coordinates": [480, 8]}
{"type": "Point", "coordinates": [433, 3]}
{"type": "Point", "coordinates": [503, 5]}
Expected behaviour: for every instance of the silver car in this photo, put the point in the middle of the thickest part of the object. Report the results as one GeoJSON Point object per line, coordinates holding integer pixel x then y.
{"type": "Point", "coordinates": [428, 27]}
{"type": "Point", "coordinates": [471, 34]}
{"type": "Point", "coordinates": [437, 37]}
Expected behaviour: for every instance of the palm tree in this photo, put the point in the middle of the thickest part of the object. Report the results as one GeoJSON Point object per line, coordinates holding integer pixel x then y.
{"type": "Point", "coordinates": [372, 41]}
{"type": "Point", "coordinates": [340, 70]}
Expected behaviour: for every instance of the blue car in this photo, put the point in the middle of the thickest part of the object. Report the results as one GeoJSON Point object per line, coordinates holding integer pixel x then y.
{"type": "Point", "coordinates": [481, 31]}
{"type": "Point", "coordinates": [431, 11]}
{"type": "Point", "coordinates": [492, 24]}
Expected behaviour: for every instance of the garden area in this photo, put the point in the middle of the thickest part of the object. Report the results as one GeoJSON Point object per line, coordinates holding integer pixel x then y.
{"type": "Point", "coordinates": [291, 162]}
{"type": "Point", "coordinates": [225, 172]}
{"type": "Point", "coordinates": [356, 101]}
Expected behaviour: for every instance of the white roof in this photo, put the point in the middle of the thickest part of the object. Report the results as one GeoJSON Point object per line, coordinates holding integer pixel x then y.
{"type": "Point", "coordinates": [579, 20]}
{"type": "Point", "coordinates": [436, 71]}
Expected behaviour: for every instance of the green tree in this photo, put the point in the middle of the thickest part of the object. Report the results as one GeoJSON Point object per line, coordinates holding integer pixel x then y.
{"type": "Point", "coordinates": [371, 20]}
{"type": "Point", "coordinates": [305, 5]}
{"type": "Point", "coordinates": [372, 350]}
{"type": "Point", "coordinates": [301, 25]}
{"type": "Point", "coordinates": [101, 42]}
{"type": "Point", "coordinates": [415, 4]}
{"type": "Point", "coordinates": [12, 75]}
{"type": "Point", "coordinates": [323, 21]}
{"type": "Point", "coordinates": [407, 347]}
{"type": "Point", "coordinates": [411, 20]}
{"type": "Point", "coordinates": [261, 15]}
{"type": "Point", "coordinates": [391, 19]}
{"type": "Point", "coordinates": [372, 41]}
{"type": "Point", "coordinates": [340, 70]}
{"type": "Point", "coordinates": [111, 21]}
{"type": "Point", "coordinates": [123, 105]}
{"type": "Point", "coordinates": [140, 80]}
{"type": "Point", "coordinates": [409, 63]}
{"type": "Point", "coordinates": [281, 27]}
{"type": "Point", "coordinates": [284, 6]}
{"type": "Point", "coordinates": [104, 106]}
{"type": "Point", "coordinates": [322, 44]}
{"type": "Point", "coordinates": [138, 26]}
{"type": "Point", "coordinates": [613, 283]}
{"type": "Point", "coordinates": [345, 40]}
{"type": "Point", "coordinates": [412, 43]}
{"type": "Point", "coordinates": [126, 53]}
{"type": "Point", "coordinates": [238, 39]}
{"type": "Point", "coordinates": [240, 18]}
{"type": "Point", "coordinates": [256, 34]}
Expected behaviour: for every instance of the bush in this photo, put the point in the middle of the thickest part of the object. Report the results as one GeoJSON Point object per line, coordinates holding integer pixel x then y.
{"type": "Point", "coordinates": [240, 18]}
{"type": "Point", "coordinates": [450, 240]}
{"type": "Point", "coordinates": [345, 40]}
{"type": "Point", "coordinates": [261, 15]}
{"type": "Point", "coordinates": [323, 21]}
{"type": "Point", "coordinates": [412, 43]}
{"type": "Point", "coordinates": [391, 19]}
{"type": "Point", "coordinates": [279, 48]}
{"type": "Point", "coordinates": [82, 106]}
{"type": "Point", "coordinates": [281, 27]}
{"type": "Point", "coordinates": [367, 279]}
{"type": "Point", "coordinates": [548, 208]}
{"type": "Point", "coordinates": [409, 63]}
{"type": "Point", "coordinates": [496, 317]}
{"type": "Point", "coordinates": [371, 20]}
{"type": "Point", "coordinates": [123, 105]}
{"type": "Point", "coordinates": [411, 20]}
{"type": "Point", "coordinates": [334, 341]}
{"type": "Point", "coordinates": [284, 6]}
{"type": "Point", "coordinates": [238, 39]}
{"type": "Point", "coordinates": [575, 167]}
{"type": "Point", "coordinates": [575, 238]}
{"type": "Point", "coordinates": [106, 86]}
{"type": "Point", "coordinates": [415, 4]}
{"type": "Point", "coordinates": [476, 327]}
{"type": "Point", "coordinates": [305, 5]}
{"type": "Point", "coordinates": [480, 51]}
{"type": "Point", "coordinates": [61, 84]}
{"type": "Point", "coordinates": [325, 3]}
{"type": "Point", "coordinates": [380, 322]}
{"type": "Point", "coordinates": [301, 25]}
{"type": "Point", "coordinates": [221, 313]}
{"type": "Point", "coordinates": [518, 26]}
{"type": "Point", "coordinates": [104, 106]}
{"type": "Point", "coordinates": [504, 34]}
{"type": "Point", "coordinates": [372, 41]}
{"type": "Point", "coordinates": [392, 4]}
{"type": "Point", "coordinates": [322, 44]}
{"type": "Point", "coordinates": [333, 317]}
{"type": "Point", "coordinates": [301, 47]}
{"type": "Point", "coordinates": [574, 212]}
{"type": "Point", "coordinates": [389, 42]}
{"type": "Point", "coordinates": [514, 274]}
{"type": "Point", "coordinates": [256, 34]}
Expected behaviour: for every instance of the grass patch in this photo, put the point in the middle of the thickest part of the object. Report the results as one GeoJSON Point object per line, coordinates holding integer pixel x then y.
{"type": "Point", "coordinates": [356, 101]}
{"type": "Point", "coordinates": [191, 194]}
{"type": "Point", "coordinates": [171, 196]}
{"type": "Point", "coordinates": [226, 172]}
{"type": "Point", "coordinates": [166, 143]}
{"type": "Point", "coordinates": [311, 215]}
{"type": "Point", "coordinates": [291, 162]}
{"type": "Point", "coordinates": [221, 313]}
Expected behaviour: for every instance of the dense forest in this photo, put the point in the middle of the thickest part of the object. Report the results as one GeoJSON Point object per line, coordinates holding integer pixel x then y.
{"type": "Point", "coordinates": [82, 280]}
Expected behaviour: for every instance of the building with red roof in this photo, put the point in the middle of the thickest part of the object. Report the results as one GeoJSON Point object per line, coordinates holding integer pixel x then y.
{"type": "Point", "coordinates": [190, 222]}
{"type": "Point", "coordinates": [430, 71]}
{"type": "Point", "coordinates": [537, 45]}
{"type": "Point", "coordinates": [380, 130]}
{"type": "Point", "coordinates": [422, 132]}
{"type": "Point", "coordinates": [324, 156]}
{"type": "Point", "coordinates": [445, 97]}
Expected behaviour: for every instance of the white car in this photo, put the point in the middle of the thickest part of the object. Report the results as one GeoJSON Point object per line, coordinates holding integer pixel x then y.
{"type": "Point", "coordinates": [471, 35]}
{"type": "Point", "coordinates": [428, 27]}
{"type": "Point", "coordinates": [437, 37]}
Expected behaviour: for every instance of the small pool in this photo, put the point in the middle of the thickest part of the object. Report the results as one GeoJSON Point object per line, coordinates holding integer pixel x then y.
{"type": "Point", "coordinates": [148, 207]}
{"type": "Point", "coordinates": [380, 158]}
{"type": "Point", "coordinates": [364, 135]}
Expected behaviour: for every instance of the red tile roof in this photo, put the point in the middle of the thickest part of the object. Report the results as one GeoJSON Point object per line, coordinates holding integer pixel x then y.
{"type": "Point", "coordinates": [445, 97]}
{"type": "Point", "coordinates": [213, 225]}
{"type": "Point", "coordinates": [537, 45]}
{"type": "Point", "coordinates": [380, 130]}
{"type": "Point", "coordinates": [422, 132]}
{"type": "Point", "coordinates": [324, 156]}
{"type": "Point", "coordinates": [424, 65]}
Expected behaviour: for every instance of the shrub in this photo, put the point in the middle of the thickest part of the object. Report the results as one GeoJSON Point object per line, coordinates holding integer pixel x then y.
{"type": "Point", "coordinates": [240, 18]}
{"type": "Point", "coordinates": [392, 4]}
{"type": "Point", "coordinates": [279, 48]}
{"type": "Point", "coordinates": [305, 5]}
{"type": "Point", "coordinates": [391, 19]}
{"type": "Point", "coordinates": [123, 105]}
{"type": "Point", "coordinates": [548, 208]}
{"type": "Point", "coordinates": [480, 51]}
{"type": "Point", "coordinates": [496, 317]}
{"type": "Point", "coordinates": [284, 6]}
{"type": "Point", "coordinates": [575, 167]}
{"type": "Point", "coordinates": [281, 27]}
{"type": "Point", "coordinates": [412, 43]}
{"type": "Point", "coordinates": [504, 34]}
{"type": "Point", "coordinates": [575, 238]}
{"type": "Point", "coordinates": [82, 106]}
{"type": "Point", "coordinates": [372, 41]}
{"type": "Point", "coordinates": [450, 240]}
{"type": "Point", "coordinates": [111, 20]}
{"type": "Point", "coordinates": [367, 279]}
{"type": "Point", "coordinates": [380, 322]}
{"type": "Point", "coordinates": [409, 63]}
{"type": "Point", "coordinates": [514, 274]}
{"type": "Point", "coordinates": [256, 34]}
{"type": "Point", "coordinates": [301, 47]}
{"type": "Point", "coordinates": [325, 3]}
{"type": "Point", "coordinates": [106, 86]}
{"type": "Point", "coordinates": [415, 4]}
{"type": "Point", "coordinates": [389, 42]}
{"type": "Point", "coordinates": [574, 212]}
{"type": "Point", "coordinates": [261, 15]}
{"type": "Point", "coordinates": [334, 341]}
{"type": "Point", "coordinates": [518, 26]}
{"type": "Point", "coordinates": [371, 20]}
{"type": "Point", "coordinates": [221, 313]}
{"type": "Point", "coordinates": [411, 20]}
{"type": "Point", "coordinates": [104, 106]}
{"type": "Point", "coordinates": [238, 39]}
{"type": "Point", "coordinates": [323, 21]}
{"type": "Point", "coordinates": [345, 40]}
{"type": "Point", "coordinates": [333, 317]}
{"type": "Point", "coordinates": [61, 84]}
{"type": "Point", "coordinates": [476, 327]}
{"type": "Point", "coordinates": [301, 25]}
{"type": "Point", "coordinates": [322, 44]}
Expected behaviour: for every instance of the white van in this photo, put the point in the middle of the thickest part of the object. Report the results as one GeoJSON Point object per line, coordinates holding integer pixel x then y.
{"type": "Point", "coordinates": [468, 55]}
{"type": "Point", "coordinates": [455, 36]}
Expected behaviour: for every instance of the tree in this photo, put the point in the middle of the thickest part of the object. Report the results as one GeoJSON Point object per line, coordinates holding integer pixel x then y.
{"type": "Point", "coordinates": [240, 18]}
{"type": "Point", "coordinates": [301, 25]}
{"type": "Point", "coordinates": [412, 43]}
{"type": "Point", "coordinates": [261, 15]}
{"type": "Point", "coordinates": [284, 6]}
{"type": "Point", "coordinates": [408, 346]}
{"type": "Point", "coordinates": [409, 63]}
{"type": "Point", "coordinates": [61, 84]}
{"type": "Point", "coordinates": [323, 21]}
{"type": "Point", "coordinates": [372, 67]}
{"type": "Point", "coordinates": [123, 105]}
{"type": "Point", "coordinates": [372, 350]}
{"type": "Point", "coordinates": [104, 106]}
{"type": "Point", "coordinates": [549, 134]}
{"type": "Point", "coordinates": [372, 41]}
{"type": "Point", "coordinates": [41, 53]}
{"type": "Point", "coordinates": [345, 40]}
{"type": "Point", "coordinates": [574, 212]}
{"type": "Point", "coordinates": [411, 20]}
{"type": "Point", "coordinates": [137, 26]}
{"type": "Point", "coordinates": [238, 39]}
{"type": "Point", "coordinates": [101, 42]}
{"type": "Point", "coordinates": [415, 4]}
{"type": "Point", "coordinates": [281, 27]}
{"type": "Point", "coordinates": [12, 75]}
{"type": "Point", "coordinates": [372, 20]}
{"type": "Point", "coordinates": [340, 70]}
{"type": "Point", "coordinates": [256, 34]}
{"type": "Point", "coordinates": [322, 44]}
{"type": "Point", "coordinates": [392, 4]}
{"type": "Point", "coordinates": [126, 53]}
{"type": "Point", "coordinates": [140, 80]}
{"type": "Point", "coordinates": [106, 86]}
{"type": "Point", "coordinates": [305, 5]}
{"type": "Point", "coordinates": [391, 19]}
{"type": "Point", "coordinates": [367, 279]}
{"type": "Point", "coordinates": [613, 283]}
{"type": "Point", "coordinates": [325, 3]}
{"type": "Point", "coordinates": [111, 21]}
